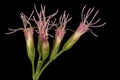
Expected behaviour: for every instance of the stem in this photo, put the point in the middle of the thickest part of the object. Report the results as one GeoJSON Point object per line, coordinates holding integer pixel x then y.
{"type": "Point", "coordinates": [38, 64]}
{"type": "Point", "coordinates": [45, 66]}
{"type": "Point", "coordinates": [57, 55]}
{"type": "Point", "coordinates": [33, 70]}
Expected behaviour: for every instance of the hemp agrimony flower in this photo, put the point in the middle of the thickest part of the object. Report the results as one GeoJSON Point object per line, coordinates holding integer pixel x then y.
{"type": "Point", "coordinates": [59, 33]}
{"type": "Point", "coordinates": [42, 24]}
{"type": "Point", "coordinates": [83, 27]}
{"type": "Point", "coordinates": [28, 33]}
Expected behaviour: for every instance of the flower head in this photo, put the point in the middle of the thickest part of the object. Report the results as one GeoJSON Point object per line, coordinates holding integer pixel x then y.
{"type": "Point", "coordinates": [43, 23]}
{"type": "Point", "coordinates": [28, 33]}
{"type": "Point", "coordinates": [85, 24]}
{"type": "Point", "coordinates": [63, 20]}
{"type": "Point", "coordinates": [59, 33]}
{"type": "Point", "coordinates": [83, 27]}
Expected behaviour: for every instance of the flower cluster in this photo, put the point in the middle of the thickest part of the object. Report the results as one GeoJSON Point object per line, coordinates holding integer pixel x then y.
{"type": "Point", "coordinates": [39, 22]}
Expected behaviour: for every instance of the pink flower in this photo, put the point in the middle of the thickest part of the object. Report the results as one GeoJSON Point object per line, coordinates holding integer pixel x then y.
{"type": "Point", "coordinates": [60, 31]}
{"type": "Point", "coordinates": [26, 24]}
{"type": "Point", "coordinates": [85, 24]}
{"type": "Point", "coordinates": [83, 27]}
{"type": "Point", "coordinates": [43, 23]}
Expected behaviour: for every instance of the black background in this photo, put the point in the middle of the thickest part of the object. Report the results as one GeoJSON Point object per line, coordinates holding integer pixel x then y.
{"type": "Point", "coordinates": [89, 58]}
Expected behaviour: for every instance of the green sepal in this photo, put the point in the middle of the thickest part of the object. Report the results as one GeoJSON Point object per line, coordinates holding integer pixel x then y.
{"type": "Point", "coordinates": [45, 49]}
{"type": "Point", "coordinates": [30, 50]}
{"type": "Point", "coordinates": [39, 46]}
{"type": "Point", "coordinates": [55, 48]}
{"type": "Point", "coordinates": [70, 42]}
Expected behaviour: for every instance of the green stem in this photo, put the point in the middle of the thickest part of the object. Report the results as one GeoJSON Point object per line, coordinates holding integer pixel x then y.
{"type": "Point", "coordinates": [38, 64]}
{"type": "Point", "coordinates": [57, 55]}
{"type": "Point", "coordinates": [45, 66]}
{"type": "Point", "coordinates": [33, 70]}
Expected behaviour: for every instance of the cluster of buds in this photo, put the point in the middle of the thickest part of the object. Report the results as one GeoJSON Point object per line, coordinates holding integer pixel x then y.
{"type": "Point", "coordinates": [44, 23]}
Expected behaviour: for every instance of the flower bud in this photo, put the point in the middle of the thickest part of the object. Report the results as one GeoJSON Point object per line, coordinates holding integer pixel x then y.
{"type": "Point", "coordinates": [28, 32]}
{"type": "Point", "coordinates": [59, 34]}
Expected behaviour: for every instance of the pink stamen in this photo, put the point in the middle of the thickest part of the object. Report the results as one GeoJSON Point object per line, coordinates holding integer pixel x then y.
{"type": "Point", "coordinates": [63, 20]}
{"type": "Point", "coordinates": [43, 23]}
{"type": "Point", "coordinates": [84, 25]}
{"type": "Point", "coordinates": [13, 30]}
{"type": "Point", "coordinates": [60, 31]}
{"type": "Point", "coordinates": [25, 20]}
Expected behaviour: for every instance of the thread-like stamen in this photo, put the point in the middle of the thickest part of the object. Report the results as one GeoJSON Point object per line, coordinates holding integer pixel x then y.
{"type": "Point", "coordinates": [31, 15]}
{"type": "Point", "coordinates": [13, 30]}
{"type": "Point", "coordinates": [53, 24]}
{"type": "Point", "coordinates": [63, 20]}
{"type": "Point", "coordinates": [52, 15]}
{"type": "Point", "coordinates": [89, 11]}
{"type": "Point", "coordinates": [36, 11]}
{"type": "Point", "coordinates": [99, 25]}
{"type": "Point", "coordinates": [85, 23]}
{"type": "Point", "coordinates": [70, 30]}
{"type": "Point", "coordinates": [82, 16]}
{"type": "Point", "coordinates": [93, 17]}
{"type": "Point", "coordinates": [93, 33]}
{"type": "Point", "coordinates": [25, 21]}
{"type": "Point", "coordinates": [95, 22]}
{"type": "Point", "coordinates": [88, 14]}
{"type": "Point", "coordinates": [51, 35]}
{"type": "Point", "coordinates": [44, 22]}
{"type": "Point", "coordinates": [43, 14]}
